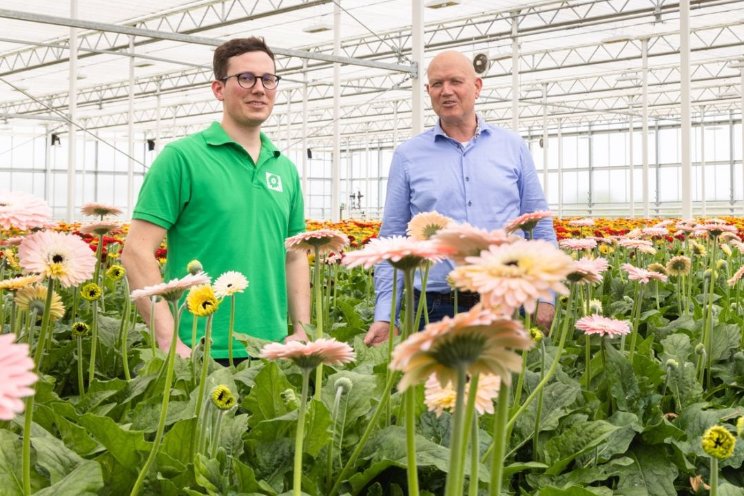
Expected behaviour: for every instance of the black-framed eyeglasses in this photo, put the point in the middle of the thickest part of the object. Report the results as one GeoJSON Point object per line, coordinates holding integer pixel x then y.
{"type": "Point", "coordinates": [248, 80]}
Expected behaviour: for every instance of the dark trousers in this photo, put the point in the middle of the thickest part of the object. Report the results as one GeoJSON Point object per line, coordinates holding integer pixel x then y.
{"type": "Point", "coordinates": [440, 305]}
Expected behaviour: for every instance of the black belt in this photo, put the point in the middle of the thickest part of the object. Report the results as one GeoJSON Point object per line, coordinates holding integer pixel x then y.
{"type": "Point", "coordinates": [464, 298]}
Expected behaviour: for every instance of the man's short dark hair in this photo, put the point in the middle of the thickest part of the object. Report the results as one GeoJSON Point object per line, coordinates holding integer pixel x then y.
{"type": "Point", "coordinates": [238, 46]}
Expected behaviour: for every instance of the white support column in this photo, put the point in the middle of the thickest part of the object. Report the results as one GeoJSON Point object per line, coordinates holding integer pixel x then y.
{"type": "Point", "coordinates": [288, 128]}
{"type": "Point", "coordinates": [304, 171]}
{"type": "Point", "coordinates": [560, 168]}
{"type": "Point", "coordinates": [417, 50]}
{"type": "Point", "coordinates": [336, 164]}
{"type": "Point", "coordinates": [741, 115]}
{"type": "Point", "coordinates": [72, 114]}
{"type": "Point", "coordinates": [545, 136]}
{"type": "Point", "coordinates": [515, 72]}
{"type": "Point", "coordinates": [631, 179]}
{"type": "Point", "coordinates": [702, 159]}
{"type": "Point", "coordinates": [644, 127]}
{"type": "Point", "coordinates": [130, 132]}
{"type": "Point", "coordinates": [684, 52]}
{"type": "Point", "coordinates": [158, 103]}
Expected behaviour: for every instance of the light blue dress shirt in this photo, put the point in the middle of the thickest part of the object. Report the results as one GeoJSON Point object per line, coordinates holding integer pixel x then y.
{"type": "Point", "coordinates": [486, 183]}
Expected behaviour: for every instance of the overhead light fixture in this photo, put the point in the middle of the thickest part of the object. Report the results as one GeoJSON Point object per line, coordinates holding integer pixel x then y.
{"type": "Point", "coordinates": [318, 27]}
{"type": "Point", "coordinates": [440, 4]}
{"type": "Point", "coordinates": [81, 76]}
{"type": "Point", "coordinates": [143, 64]}
{"type": "Point", "coordinates": [618, 38]}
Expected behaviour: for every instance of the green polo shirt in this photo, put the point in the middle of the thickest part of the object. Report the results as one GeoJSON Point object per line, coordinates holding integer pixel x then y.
{"type": "Point", "coordinates": [221, 208]}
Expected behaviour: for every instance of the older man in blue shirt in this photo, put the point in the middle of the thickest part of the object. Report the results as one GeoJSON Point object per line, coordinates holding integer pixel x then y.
{"type": "Point", "coordinates": [463, 168]}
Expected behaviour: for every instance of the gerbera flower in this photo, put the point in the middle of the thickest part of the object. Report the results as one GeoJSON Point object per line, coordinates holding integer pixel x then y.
{"type": "Point", "coordinates": [527, 222]}
{"type": "Point", "coordinates": [229, 283]}
{"type": "Point", "coordinates": [91, 291]}
{"type": "Point", "coordinates": [464, 240]}
{"type": "Point", "coordinates": [439, 398]}
{"type": "Point", "coordinates": [655, 232]}
{"type": "Point", "coordinates": [736, 277]}
{"type": "Point", "coordinates": [99, 228]}
{"type": "Point", "coordinates": [714, 229]}
{"type": "Point", "coordinates": [476, 340]}
{"type": "Point", "coordinates": [718, 442]}
{"type": "Point", "coordinates": [642, 275]}
{"type": "Point", "coordinates": [16, 376]}
{"type": "Point", "coordinates": [726, 249]}
{"type": "Point", "coordinates": [64, 257]}
{"type": "Point", "coordinates": [100, 209]}
{"type": "Point", "coordinates": [34, 298]}
{"type": "Point", "coordinates": [311, 354]}
{"type": "Point", "coordinates": [171, 290]}
{"type": "Point", "coordinates": [657, 267]}
{"type": "Point", "coordinates": [194, 267]}
{"type": "Point", "coordinates": [399, 251]}
{"type": "Point", "coordinates": [515, 274]}
{"type": "Point", "coordinates": [586, 221]}
{"type": "Point", "coordinates": [201, 300]}
{"type": "Point", "coordinates": [603, 326]}
{"type": "Point", "coordinates": [595, 306]}
{"type": "Point", "coordinates": [222, 397]}
{"type": "Point", "coordinates": [663, 223]}
{"type": "Point", "coordinates": [728, 236]}
{"type": "Point", "coordinates": [115, 272]}
{"type": "Point", "coordinates": [634, 243]}
{"type": "Point", "coordinates": [23, 211]}
{"type": "Point", "coordinates": [80, 329]}
{"type": "Point", "coordinates": [606, 249]}
{"type": "Point", "coordinates": [679, 266]}
{"type": "Point", "coordinates": [698, 249]}
{"type": "Point", "coordinates": [588, 270]}
{"type": "Point", "coordinates": [578, 244]}
{"type": "Point", "coordinates": [424, 225]}
{"type": "Point", "coordinates": [19, 282]}
{"type": "Point", "coordinates": [326, 240]}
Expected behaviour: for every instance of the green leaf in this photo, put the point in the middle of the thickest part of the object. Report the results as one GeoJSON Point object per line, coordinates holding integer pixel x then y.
{"type": "Point", "coordinates": [622, 381]}
{"type": "Point", "coordinates": [651, 474]}
{"type": "Point", "coordinates": [358, 401]}
{"type": "Point", "coordinates": [209, 474]}
{"type": "Point", "coordinates": [724, 341]}
{"type": "Point", "coordinates": [124, 445]}
{"type": "Point", "coordinates": [252, 344]}
{"type": "Point", "coordinates": [85, 480]}
{"type": "Point", "coordinates": [683, 385]}
{"type": "Point", "coordinates": [573, 491]}
{"type": "Point", "coordinates": [177, 442]}
{"type": "Point", "coordinates": [619, 440]}
{"type": "Point", "coordinates": [265, 400]}
{"type": "Point", "coordinates": [53, 456]}
{"type": "Point", "coordinates": [676, 347]}
{"type": "Point", "coordinates": [577, 439]}
{"type": "Point", "coordinates": [317, 428]}
{"type": "Point", "coordinates": [10, 464]}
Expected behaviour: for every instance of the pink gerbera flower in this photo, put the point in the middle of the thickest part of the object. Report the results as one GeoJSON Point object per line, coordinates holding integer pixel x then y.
{"type": "Point", "coordinates": [424, 225]}
{"type": "Point", "coordinates": [64, 257]}
{"type": "Point", "coordinates": [714, 229]}
{"type": "Point", "coordinates": [642, 275]}
{"type": "Point", "coordinates": [464, 240]}
{"type": "Point", "coordinates": [173, 289]}
{"type": "Point", "coordinates": [478, 340]}
{"type": "Point", "coordinates": [736, 277]}
{"type": "Point", "coordinates": [588, 270]}
{"type": "Point", "coordinates": [16, 376]}
{"type": "Point", "coordinates": [439, 398]}
{"type": "Point", "coordinates": [23, 211]}
{"type": "Point", "coordinates": [399, 251]}
{"type": "Point", "coordinates": [585, 222]}
{"type": "Point", "coordinates": [663, 223]}
{"type": "Point", "coordinates": [655, 232]}
{"type": "Point", "coordinates": [634, 243]}
{"type": "Point", "coordinates": [99, 209]}
{"type": "Point", "coordinates": [326, 240]}
{"type": "Point", "coordinates": [515, 274]}
{"type": "Point", "coordinates": [604, 326]}
{"type": "Point", "coordinates": [99, 228]}
{"type": "Point", "coordinates": [527, 222]}
{"type": "Point", "coordinates": [311, 354]}
{"type": "Point", "coordinates": [578, 244]}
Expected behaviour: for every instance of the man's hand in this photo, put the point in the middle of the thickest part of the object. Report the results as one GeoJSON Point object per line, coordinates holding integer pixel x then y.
{"type": "Point", "coordinates": [181, 349]}
{"type": "Point", "coordinates": [544, 315]}
{"type": "Point", "coordinates": [378, 333]}
{"type": "Point", "coordinates": [297, 335]}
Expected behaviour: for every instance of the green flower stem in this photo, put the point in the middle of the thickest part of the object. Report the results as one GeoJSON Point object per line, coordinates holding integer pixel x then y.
{"type": "Point", "coordinates": [170, 362]}
{"type": "Point", "coordinates": [334, 422]}
{"type": "Point", "coordinates": [391, 338]}
{"type": "Point", "coordinates": [230, 331]}
{"type": "Point", "coordinates": [28, 416]}
{"type": "Point", "coordinates": [318, 297]}
{"type": "Point", "coordinates": [636, 321]}
{"type": "Point", "coordinates": [124, 332]}
{"type": "Point", "coordinates": [410, 394]}
{"type": "Point", "coordinates": [470, 414]}
{"type": "Point", "coordinates": [297, 472]}
{"type": "Point", "coordinates": [520, 379]}
{"type": "Point", "coordinates": [384, 400]}
{"type": "Point", "coordinates": [713, 476]}
{"type": "Point", "coordinates": [206, 357]}
{"type": "Point", "coordinates": [708, 325]}
{"type": "Point", "coordinates": [80, 374]}
{"type": "Point", "coordinates": [75, 296]}
{"type": "Point", "coordinates": [214, 442]}
{"type": "Point", "coordinates": [588, 359]}
{"type": "Point", "coordinates": [538, 410]}
{"type": "Point", "coordinates": [422, 304]}
{"type": "Point", "coordinates": [153, 341]}
{"type": "Point", "coordinates": [474, 457]}
{"type": "Point", "coordinates": [99, 256]}
{"type": "Point", "coordinates": [93, 342]}
{"type": "Point", "coordinates": [500, 440]}
{"type": "Point", "coordinates": [453, 486]}
{"type": "Point", "coordinates": [553, 366]}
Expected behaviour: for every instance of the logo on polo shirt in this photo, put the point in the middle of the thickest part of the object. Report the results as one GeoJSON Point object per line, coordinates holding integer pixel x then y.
{"type": "Point", "coordinates": [274, 182]}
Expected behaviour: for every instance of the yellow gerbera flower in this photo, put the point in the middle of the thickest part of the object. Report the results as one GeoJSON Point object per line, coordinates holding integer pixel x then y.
{"type": "Point", "coordinates": [718, 442]}
{"type": "Point", "coordinates": [19, 282]}
{"type": "Point", "coordinates": [80, 329]}
{"type": "Point", "coordinates": [223, 398]}
{"type": "Point", "coordinates": [202, 301]}
{"type": "Point", "coordinates": [91, 291]}
{"type": "Point", "coordinates": [34, 297]}
{"type": "Point", "coordinates": [115, 272]}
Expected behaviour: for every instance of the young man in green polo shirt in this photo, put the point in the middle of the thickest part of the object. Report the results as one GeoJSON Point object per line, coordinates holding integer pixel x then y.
{"type": "Point", "coordinates": [228, 198]}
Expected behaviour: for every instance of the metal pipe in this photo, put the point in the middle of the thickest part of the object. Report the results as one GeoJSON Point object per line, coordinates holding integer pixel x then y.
{"type": "Point", "coordinates": [644, 124]}
{"type": "Point", "coordinates": [417, 38]}
{"type": "Point", "coordinates": [71, 129]}
{"type": "Point", "coordinates": [336, 163]}
{"type": "Point", "coordinates": [684, 51]}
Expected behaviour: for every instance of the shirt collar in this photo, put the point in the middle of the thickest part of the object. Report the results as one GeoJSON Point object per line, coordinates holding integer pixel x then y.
{"type": "Point", "coordinates": [481, 127]}
{"type": "Point", "coordinates": [215, 135]}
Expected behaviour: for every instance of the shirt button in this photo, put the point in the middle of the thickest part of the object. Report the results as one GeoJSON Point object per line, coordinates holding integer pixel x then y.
{"type": "Point", "coordinates": [467, 178]}
{"type": "Point", "coordinates": [470, 204]}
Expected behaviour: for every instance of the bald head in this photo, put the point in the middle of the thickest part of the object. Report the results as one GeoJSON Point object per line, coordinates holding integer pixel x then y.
{"type": "Point", "coordinates": [451, 60]}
